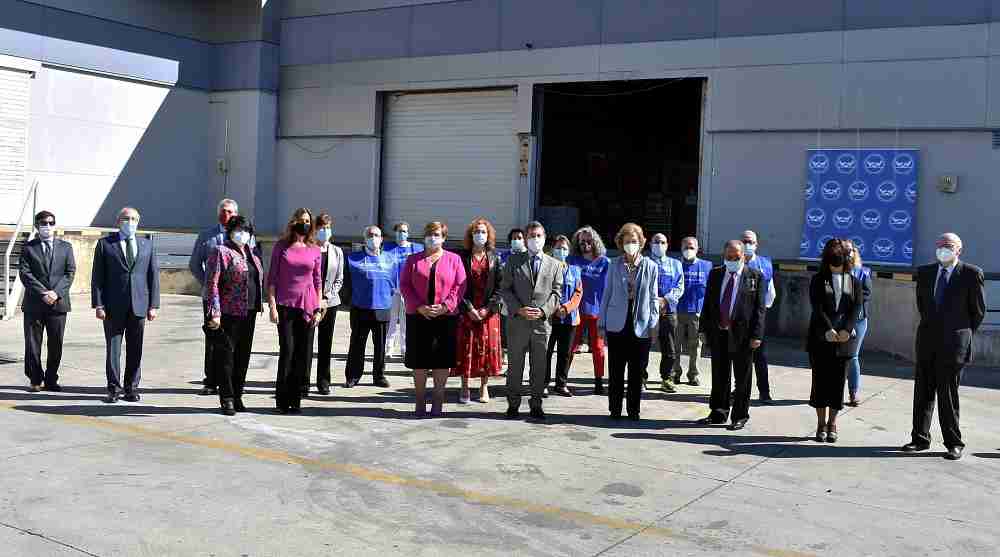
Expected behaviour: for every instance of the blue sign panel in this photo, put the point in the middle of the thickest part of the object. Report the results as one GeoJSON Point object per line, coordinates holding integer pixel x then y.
{"type": "Point", "coordinates": [866, 195]}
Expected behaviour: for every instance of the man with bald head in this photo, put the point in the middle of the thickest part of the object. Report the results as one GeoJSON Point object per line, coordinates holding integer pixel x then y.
{"type": "Point", "coordinates": [952, 304]}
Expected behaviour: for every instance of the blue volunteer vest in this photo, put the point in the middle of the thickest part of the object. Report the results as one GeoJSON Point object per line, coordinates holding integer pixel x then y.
{"type": "Point", "coordinates": [763, 264]}
{"type": "Point", "coordinates": [669, 277]}
{"type": "Point", "coordinates": [695, 282]}
{"type": "Point", "coordinates": [571, 278]}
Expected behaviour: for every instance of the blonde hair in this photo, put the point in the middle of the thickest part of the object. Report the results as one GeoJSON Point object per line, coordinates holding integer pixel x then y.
{"type": "Point", "coordinates": [625, 230]}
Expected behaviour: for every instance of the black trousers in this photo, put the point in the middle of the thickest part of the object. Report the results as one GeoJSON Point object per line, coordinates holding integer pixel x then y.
{"type": "Point", "coordinates": [728, 366]}
{"type": "Point", "coordinates": [119, 326]}
{"type": "Point", "coordinates": [210, 379]}
{"type": "Point", "coordinates": [295, 340]}
{"type": "Point", "coordinates": [363, 323]}
{"type": "Point", "coordinates": [760, 368]}
{"type": "Point", "coordinates": [666, 334]}
{"type": "Point", "coordinates": [561, 337]}
{"type": "Point", "coordinates": [231, 362]}
{"type": "Point", "coordinates": [324, 334]}
{"type": "Point", "coordinates": [625, 350]}
{"type": "Point", "coordinates": [53, 325]}
{"type": "Point", "coordinates": [937, 377]}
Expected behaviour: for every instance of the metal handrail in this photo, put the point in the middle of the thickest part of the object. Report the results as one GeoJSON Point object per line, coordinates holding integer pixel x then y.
{"type": "Point", "coordinates": [31, 195]}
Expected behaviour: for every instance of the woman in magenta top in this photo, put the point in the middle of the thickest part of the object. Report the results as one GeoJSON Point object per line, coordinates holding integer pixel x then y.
{"type": "Point", "coordinates": [294, 288]}
{"type": "Point", "coordinates": [432, 283]}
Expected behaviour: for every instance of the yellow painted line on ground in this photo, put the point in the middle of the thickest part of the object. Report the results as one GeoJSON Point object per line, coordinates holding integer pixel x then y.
{"type": "Point", "coordinates": [269, 455]}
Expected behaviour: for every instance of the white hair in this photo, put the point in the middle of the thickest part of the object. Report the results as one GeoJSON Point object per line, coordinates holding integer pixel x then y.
{"type": "Point", "coordinates": [364, 231]}
{"type": "Point", "coordinates": [749, 233]}
{"type": "Point", "coordinates": [227, 201]}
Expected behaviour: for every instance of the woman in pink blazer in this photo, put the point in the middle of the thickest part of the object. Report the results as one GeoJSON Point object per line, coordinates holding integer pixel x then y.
{"type": "Point", "coordinates": [432, 283]}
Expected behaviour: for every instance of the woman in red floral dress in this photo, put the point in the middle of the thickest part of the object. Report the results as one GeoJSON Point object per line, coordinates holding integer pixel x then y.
{"type": "Point", "coordinates": [479, 351]}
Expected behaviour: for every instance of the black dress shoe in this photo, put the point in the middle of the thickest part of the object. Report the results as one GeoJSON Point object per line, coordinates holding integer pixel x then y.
{"type": "Point", "coordinates": [209, 391]}
{"type": "Point", "coordinates": [54, 388]}
{"type": "Point", "coordinates": [228, 408]}
{"type": "Point", "coordinates": [131, 397]}
{"type": "Point", "coordinates": [537, 414]}
{"type": "Point", "coordinates": [294, 410]}
{"type": "Point", "coordinates": [737, 425]}
{"type": "Point", "coordinates": [711, 419]}
{"type": "Point", "coordinates": [599, 386]}
{"type": "Point", "coordinates": [350, 383]}
{"type": "Point", "coordinates": [512, 413]}
{"type": "Point", "coordinates": [954, 453]}
{"type": "Point", "coordinates": [238, 406]}
{"type": "Point", "coordinates": [563, 391]}
{"type": "Point", "coordinates": [323, 391]}
{"type": "Point", "coordinates": [305, 392]}
{"type": "Point", "coordinates": [694, 382]}
{"type": "Point", "coordinates": [912, 447]}
{"type": "Point", "coordinates": [111, 398]}
{"type": "Point", "coordinates": [283, 410]}
{"type": "Point", "coordinates": [616, 417]}
{"type": "Point", "coordinates": [381, 382]}
{"type": "Point", "coordinates": [634, 417]}
{"type": "Point", "coordinates": [768, 401]}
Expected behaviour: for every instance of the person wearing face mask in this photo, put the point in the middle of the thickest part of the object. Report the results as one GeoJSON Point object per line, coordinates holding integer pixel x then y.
{"type": "Point", "coordinates": [479, 338]}
{"type": "Point", "coordinates": [689, 309]}
{"type": "Point", "coordinates": [565, 320]}
{"type": "Point", "coordinates": [590, 255]}
{"type": "Point", "coordinates": [374, 281]}
{"type": "Point", "coordinates": [763, 264]}
{"type": "Point", "coordinates": [125, 293]}
{"type": "Point", "coordinates": [732, 321]}
{"type": "Point", "coordinates": [670, 289]}
{"type": "Point", "coordinates": [295, 297]}
{"type": "Point", "coordinates": [531, 287]}
{"type": "Point", "coordinates": [234, 291]}
{"type": "Point", "coordinates": [630, 312]}
{"type": "Point", "coordinates": [401, 248]}
{"type": "Point", "coordinates": [863, 274]}
{"type": "Point", "coordinates": [835, 295]}
{"type": "Point", "coordinates": [206, 243]}
{"type": "Point", "coordinates": [46, 269]}
{"type": "Point", "coordinates": [433, 284]}
{"type": "Point", "coordinates": [951, 303]}
{"type": "Point", "coordinates": [333, 280]}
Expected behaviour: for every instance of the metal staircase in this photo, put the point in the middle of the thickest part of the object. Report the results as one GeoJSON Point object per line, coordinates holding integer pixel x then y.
{"type": "Point", "coordinates": [10, 293]}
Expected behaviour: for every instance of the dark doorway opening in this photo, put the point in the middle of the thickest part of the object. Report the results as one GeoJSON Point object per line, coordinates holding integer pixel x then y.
{"type": "Point", "coordinates": [620, 151]}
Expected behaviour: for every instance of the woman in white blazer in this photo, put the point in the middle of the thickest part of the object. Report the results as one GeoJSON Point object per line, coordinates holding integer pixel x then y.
{"type": "Point", "coordinates": [630, 311]}
{"type": "Point", "coordinates": [333, 281]}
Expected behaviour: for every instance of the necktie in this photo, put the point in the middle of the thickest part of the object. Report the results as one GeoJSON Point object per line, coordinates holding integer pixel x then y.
{"type": "Point", "coordinates": [535, 262]}
{"type": "Point", "coordinates": [47, 251]}
{"type": "Point", "coordinates": [942, 283]}
{"type": "Point", "coordinates": [725, 319]}
{"type": "Point", "coordinates": [130, 252]}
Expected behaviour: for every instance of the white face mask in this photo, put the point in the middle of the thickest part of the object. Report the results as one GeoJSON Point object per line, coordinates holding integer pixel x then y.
{"type": "Point", "coordinates": [479, 238]}
{"type": "Point", "coordinates": [632, 248]}
{"type": "Point", "coordinates": [241, 238]}
{"type": "Point", "coordinates": [536, 244]}
{"type": "Point", "coordinates": [658, 250]}
{"type": "Point", "coordinates": [560, 253]}
{"type": "Point", "coordinates": [689, 253]}
{"type": "Point", "coordinates": [517, 246]}
{"type": "Point", "coordinates": [945, 255]}
{"type": "Point", "coordinates": [733, 266]}
{"type": "Point", "coordinates": [433, 241]}
{"type": "Point", "coordinates": [45, 231]}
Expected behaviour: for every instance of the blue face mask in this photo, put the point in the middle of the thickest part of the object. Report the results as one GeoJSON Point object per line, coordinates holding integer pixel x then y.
{"type": "Point", "coordinates": [241, 237]}
{"type": "Point", "coordinates": [733, 266]}
{"type": "Point", "coordinates": [127, 229]}
{"type": "Point", "coordinates": [749, 249]}
{"type": "Point", "coordinates": [560, 253]}
{"type": "Point", "coordinates": [374, 243]}
{"type": "Point", "coordinates": [402, 236]}
{"type": "Point", "coordinates": [324, 234]}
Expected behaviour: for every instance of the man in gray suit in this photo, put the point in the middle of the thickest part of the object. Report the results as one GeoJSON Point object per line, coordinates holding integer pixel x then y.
{"type": "Point", "coordinates": [531, 287]}
{"type": "Point", "coordinates": [207, 241]}
{"type": "Point", "coordinates": [47, 269]}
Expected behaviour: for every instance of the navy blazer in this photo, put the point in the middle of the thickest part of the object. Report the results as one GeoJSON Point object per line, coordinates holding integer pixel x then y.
{"type": "Point", "coordinates": [119, 289]}
{"type": "Point", "coordinates": [38, 276]}
{"type": "Point", "coordinates": [946, 332]}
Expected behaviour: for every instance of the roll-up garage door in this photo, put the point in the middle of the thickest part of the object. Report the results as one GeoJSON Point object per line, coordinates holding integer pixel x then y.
{"type": "Point", "coordinates": [450, 157]}
{"type": "Point", "coordinates": [14, 96]}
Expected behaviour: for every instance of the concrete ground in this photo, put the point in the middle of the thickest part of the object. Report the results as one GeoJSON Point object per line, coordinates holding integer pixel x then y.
{"type": "Point", "coordinates": [358, 475]}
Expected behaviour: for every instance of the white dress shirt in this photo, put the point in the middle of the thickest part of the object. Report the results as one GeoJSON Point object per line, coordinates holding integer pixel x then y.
{"type": "Point", "coordinates": [736, 290]}
{"type": "Point", "coordinates": [127, 243]}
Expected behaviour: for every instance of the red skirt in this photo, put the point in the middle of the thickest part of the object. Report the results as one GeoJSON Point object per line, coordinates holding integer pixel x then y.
{"type": "Point", "coordinates": [479, 351]}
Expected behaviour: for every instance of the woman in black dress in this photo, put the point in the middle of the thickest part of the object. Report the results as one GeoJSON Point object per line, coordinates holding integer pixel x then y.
{"type": "Point", "coordinates": [835, 295]}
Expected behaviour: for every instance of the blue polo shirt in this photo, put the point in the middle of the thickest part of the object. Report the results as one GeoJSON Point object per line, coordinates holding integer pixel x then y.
{"type": "Point", "coordinates": [401, 253]}
{"type": "Point", "coordinates": [374, 279]}
{"type": "Point", "coordinates": [695, 282]}
{"type": "Point", "coordinates": [594, 274]}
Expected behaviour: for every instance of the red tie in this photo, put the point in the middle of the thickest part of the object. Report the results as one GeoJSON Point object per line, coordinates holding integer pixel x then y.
{"type": "Point", "coordinates": [725, 319]}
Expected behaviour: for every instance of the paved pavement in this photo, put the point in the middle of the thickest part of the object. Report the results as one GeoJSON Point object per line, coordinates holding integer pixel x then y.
{"type": "Point", "coordinates": [358, 475]}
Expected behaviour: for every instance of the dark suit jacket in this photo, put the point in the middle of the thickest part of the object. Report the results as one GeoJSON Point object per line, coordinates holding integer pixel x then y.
{"type": "Point", "coordinates": [492, 294]}
{"type": "Point", "coordinates": [748, 311]}
{"type": "Point", "coordinates": [827, 316]}
{"type": "Point", "coordinates": [39, 277]}
{"type": "Point", "coordinates": [119, 289]}
{"type": "Point", "coordinates": [947, 331]}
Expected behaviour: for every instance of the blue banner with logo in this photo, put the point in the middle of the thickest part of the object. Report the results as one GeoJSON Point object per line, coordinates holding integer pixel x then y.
{"type": "Point", "coordinates": [866, 195]}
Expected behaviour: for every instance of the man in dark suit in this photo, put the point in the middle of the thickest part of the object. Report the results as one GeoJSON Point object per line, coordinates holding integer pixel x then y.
{"type": "Point", "coordinates": [47, 269]}
{"type": "Point", "coordinates": [125, 292]}
{"type": "Point", "coordinates": [732, 322]}
{"type": "Point", "coordinates": [951, 303]}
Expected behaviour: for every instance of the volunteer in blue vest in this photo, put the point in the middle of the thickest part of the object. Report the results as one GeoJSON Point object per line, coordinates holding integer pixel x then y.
{"type": "Point", "coordinates": [374, 281]}
{"type": "Point", "coordinates": [762, 264]}
{"type": "Point", "coordinates": [670, 288]}
{"type": "Point", "coordinates": [689, 309]}
{"type": "Point", "coordinates": [400, 249]}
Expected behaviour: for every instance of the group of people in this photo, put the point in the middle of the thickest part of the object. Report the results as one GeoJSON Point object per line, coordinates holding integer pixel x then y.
{"type": "Point", "coordinates": [454, 313]}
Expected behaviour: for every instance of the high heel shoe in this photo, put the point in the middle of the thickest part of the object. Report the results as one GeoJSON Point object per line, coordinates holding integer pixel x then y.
{"type": "Point", "coordinates": [484, 394]}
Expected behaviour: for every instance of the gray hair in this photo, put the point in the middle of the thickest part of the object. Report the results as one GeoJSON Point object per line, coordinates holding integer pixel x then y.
{"type": "Point", "coordinates": [686, 239]}
{"type": "Point", "coordinates": [738, 244]}
{"type": "Point", "coordinates": [751, 234]}
{"type": "Point", "coordinates": [364, 231]}
{"type": "Point", "coordinates": [126, 210]}
{"type": "Point", "coordinates": [951, 237]}
{"type": "Point", "coordinates": [599, 249]}
{"type": "Point", "coordinates": [227, 201]}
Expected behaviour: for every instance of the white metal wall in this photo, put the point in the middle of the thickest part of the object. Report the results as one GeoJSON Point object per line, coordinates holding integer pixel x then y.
{"type": "Point", "coordinates": [15, 95]}
{"type": "Point", "coordinates": [450, 157]}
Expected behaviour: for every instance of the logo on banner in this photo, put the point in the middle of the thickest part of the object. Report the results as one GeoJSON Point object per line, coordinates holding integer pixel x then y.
{"type": "Point", "coordinates": [819, 163]}
{"type": "Point", "coordinates": [815, 217]}
{"type": "Point", "coordinates": [903, 163]}
{"type": "Point", "coordinates": [804, 245]}
{"type": "Point", "coordinates": [843, 218]}
{"type": "Point", "coordinates": [847, 163]}
{"type": "Point", "coordinates": [831, 191]}
{"type": "Point", "coordinates": [911, 192]}
{"type": "Point", "coordinates": [908, 249]}
{"type": "Point", "coordinates": [900, 220]}
{"type": "Point", "coordinates": [821, 244]}
{"type": "Point", "coordinates": [859, 244]}
{"type": "Point", "coordinates": [887, 192]}
{"type": "Point", "coordinates": [883, 248]}
{"type": "Point", "coordinates": [871, 219]}
{"type": "Point", "coordinates": [874, 163]}
{"type": "Point", "coordinates": [810, 190]}
{"type": "Point", "coordinates": [858, 191]}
